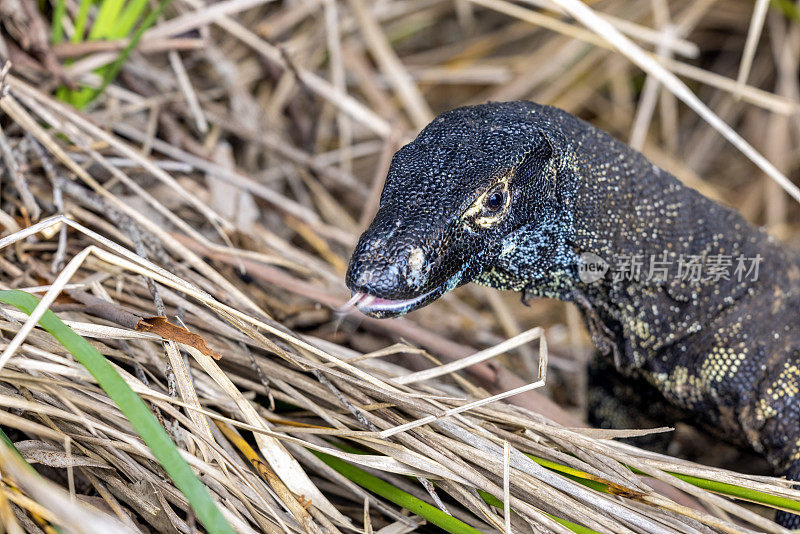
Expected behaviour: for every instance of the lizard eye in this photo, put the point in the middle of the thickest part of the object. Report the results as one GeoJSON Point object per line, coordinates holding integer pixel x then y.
{"type": "Point", "coordinates": [495, 199]}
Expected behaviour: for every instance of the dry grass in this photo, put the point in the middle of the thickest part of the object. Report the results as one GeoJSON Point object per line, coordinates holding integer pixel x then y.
{"type": "Point", "coordinates": [222, 181]}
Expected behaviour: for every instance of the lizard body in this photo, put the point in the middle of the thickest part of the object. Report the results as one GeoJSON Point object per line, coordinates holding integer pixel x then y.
{"type": "Point", "coordinates": [517, 195]}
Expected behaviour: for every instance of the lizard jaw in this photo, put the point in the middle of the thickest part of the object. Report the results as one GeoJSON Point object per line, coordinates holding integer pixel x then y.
{"type": "Point", "coordinates": [380, 307]}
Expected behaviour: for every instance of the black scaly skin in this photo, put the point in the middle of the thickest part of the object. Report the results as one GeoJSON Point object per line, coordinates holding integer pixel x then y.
{"type": "Point", "coordinates": [726, 353]}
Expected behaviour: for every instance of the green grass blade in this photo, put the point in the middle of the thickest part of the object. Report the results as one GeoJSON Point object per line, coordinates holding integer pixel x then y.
{"type": "Point", "coordinates": [110, 72]}
{"type": "Point", "coordinates": [491, 500]}
{"type": "Point", "coordinates": [788, 8]}
{"type": "Point", "coordinates": [59, 10]}
{"type": "Point", "coordinates": [722, 488]}
{"type": "Point", "coordinates": [128, 18]}
{"type": "Point", "coordinates": [487, 497]}
{"type": "Point", "coordinates": [573, 474]}
{"type": "Point", "coordinates": [738, 492]}
{"type": "Point", "coordinates": [133, 408]}
{"type": "Point", "coordinates": [4, 437]}
{"type": "Point", "coordinates": [399, 497]}
{"type": "Point", "coordinates": [106, 18]}
{"type": "Point", "coordinates": [81, 21]}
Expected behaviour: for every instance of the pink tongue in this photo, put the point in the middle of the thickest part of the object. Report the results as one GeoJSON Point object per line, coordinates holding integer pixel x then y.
{"type": "Point", "coordinates": [368, 302]}
{"type": "Point", "coordinates": [385, 303]}
{"type": "Point", "coordinates": [353, 300]}
{"type": "Point", "coordinates": [350, 304]}
{"type": "Point", "coordinates": [364, 301]}
{"type": "Point", "coordinates": [375, 301]}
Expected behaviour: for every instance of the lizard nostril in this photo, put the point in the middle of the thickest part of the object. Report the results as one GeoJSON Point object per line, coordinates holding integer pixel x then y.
{"type": "Point", "coordinates": [417, 271]}
{"type": "Point", "coordinates": [364, 278]}
{"type": "Point", "coordinates": [416, 259]}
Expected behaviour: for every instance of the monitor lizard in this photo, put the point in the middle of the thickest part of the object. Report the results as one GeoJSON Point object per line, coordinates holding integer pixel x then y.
{"type": "Point", "coordinates": [525, 197]}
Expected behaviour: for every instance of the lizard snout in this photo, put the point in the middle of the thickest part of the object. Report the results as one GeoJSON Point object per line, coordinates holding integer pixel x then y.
{"type": "Point", "coordinates": [396, 266]}
{"type": "Point", "coordinates": [388, 268]}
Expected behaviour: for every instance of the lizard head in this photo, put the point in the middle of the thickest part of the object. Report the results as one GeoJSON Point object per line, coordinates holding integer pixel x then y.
{"type": "Point", "coordinates": [452, 199]}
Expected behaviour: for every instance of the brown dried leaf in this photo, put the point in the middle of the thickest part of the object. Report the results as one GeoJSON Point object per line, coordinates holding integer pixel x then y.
{"type": "Point", "coordinates": [159, 325]}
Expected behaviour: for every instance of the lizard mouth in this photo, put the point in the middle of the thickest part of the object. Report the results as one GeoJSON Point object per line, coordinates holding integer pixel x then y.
{"type": "Point", "coordinates": [381, 307]}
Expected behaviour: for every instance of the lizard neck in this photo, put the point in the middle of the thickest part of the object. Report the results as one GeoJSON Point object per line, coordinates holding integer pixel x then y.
{"type": "Point", "coordinates": [674, 258]}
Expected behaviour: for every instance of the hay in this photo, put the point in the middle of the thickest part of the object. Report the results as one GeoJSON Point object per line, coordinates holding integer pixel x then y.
{"type": "Point", "coordinates": [221, 181]}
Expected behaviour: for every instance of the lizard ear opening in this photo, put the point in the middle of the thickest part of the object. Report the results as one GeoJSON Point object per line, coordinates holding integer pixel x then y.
{"type": "Point", "coordinates": [539, 163]}
{"type": "Point", "coordinates": [554, 143]}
